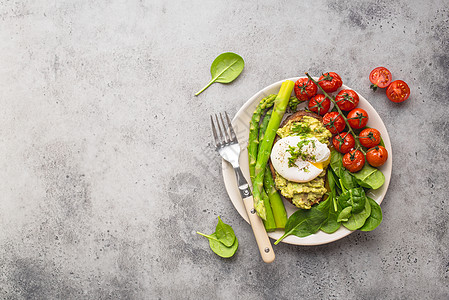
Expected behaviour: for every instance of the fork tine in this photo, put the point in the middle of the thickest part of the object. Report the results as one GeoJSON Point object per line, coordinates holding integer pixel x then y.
{"type": "Point", "coordinates": [233, 136]}
{"type": "Point", "coordinates": [214, 131]}
{"type": "Point", "coordinates": [219, 130]}
{"type": "Point", "coordinates": [226, 133]}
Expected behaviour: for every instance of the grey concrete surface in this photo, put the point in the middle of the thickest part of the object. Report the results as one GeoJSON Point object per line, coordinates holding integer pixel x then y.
{"type": "Point", "coordinates": [107, 171]}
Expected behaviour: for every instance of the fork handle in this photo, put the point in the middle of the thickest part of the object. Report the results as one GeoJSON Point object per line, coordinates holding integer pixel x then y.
{"type": "Point", "coordinates": [262, 239]}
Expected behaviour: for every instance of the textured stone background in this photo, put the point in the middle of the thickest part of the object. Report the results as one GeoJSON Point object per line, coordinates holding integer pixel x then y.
{"type": "Point", "coordinates": [106, 172]}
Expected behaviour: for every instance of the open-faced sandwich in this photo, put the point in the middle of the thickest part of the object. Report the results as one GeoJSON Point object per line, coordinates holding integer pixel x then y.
{"type": "Point", "coordinates": [299, 159]}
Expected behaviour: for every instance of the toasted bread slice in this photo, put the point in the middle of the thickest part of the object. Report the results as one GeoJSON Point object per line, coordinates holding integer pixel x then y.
{"type": "Point", "coordinates": [294, 117]}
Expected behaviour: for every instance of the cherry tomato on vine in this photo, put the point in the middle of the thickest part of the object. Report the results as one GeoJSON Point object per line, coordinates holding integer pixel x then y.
{"type": "Point", "coordinates": [343, 142]}
{"type": "Point", "coordinates": [330, 82]}
{"type": "Point", "coordinates": [398, 91]}
{"type": "Point", "coordinates": [334, 122]}
{"type": "Point", "coordinates": [319, 104]}
{"type": "Point", "coordinates": [380, 77]}
{"type": "Point", "coordinates": [304, 89]}
{"type": "Point", "coordinates": [357, 118]}
{"type": "Point", "coordinates": [377, 156]}
{"type": "Point", "coordinates": [354, 161]}
{"type": "Point", "coordinates": [369, 137]}
{"type": "Point", "coordinates": [347, 100]}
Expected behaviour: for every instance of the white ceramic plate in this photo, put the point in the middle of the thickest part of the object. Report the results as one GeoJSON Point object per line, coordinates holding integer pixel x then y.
{"type": "Point", "coordinates": [241, 125]}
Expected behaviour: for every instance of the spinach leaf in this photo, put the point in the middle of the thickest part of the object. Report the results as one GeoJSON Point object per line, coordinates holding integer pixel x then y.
{"type": "Point", "coordinates": [224, 233]}
{"type": "Point", "coordinates": [330, 224]}
{"type": "Point", "coordinates": [369, 177]}
{"type": "Point", "coordinates": [355, 198]}
{"type": "Point", "coordinates": [225, 68]}
{"type": "Point", "coordinates": [220, 249]}
{"type": "Point", "coordinates": [348, 180]}
{"type": "Point", "coordinates": [303, 222]}
{"type": "Point", "coordinates": [221, 238]}
{"type": "Point", "coordinates": [355, 221]}
{"type": "Point", "coordinates": [344, 214]}
{"type": "Point", "coordinates": [337, 163]}
{"type": "Point", "coordinates": [374, 218]}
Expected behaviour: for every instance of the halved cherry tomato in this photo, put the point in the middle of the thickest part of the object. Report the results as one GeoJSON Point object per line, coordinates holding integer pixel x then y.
{"type": "Point", "coordinates": [330, 82]}
{"type": "Point", "coordinates": [304, 89]}
{"type": "Point", "coordinates": [334, 122]}
{"type": "Point", "coordinates": [369, 137]}
{"type": "Point", "coordinates": [377, 156]}
{"type": "Point", "coordinates": [347, 100]}
{"type": "Point", "coordinates": [343, 142]}
{"type": "Point", "coordinates": [319, 104]}
{"type": "Point", "coordinates": [357, 118]}
{"type": "Point", "coordinates": [354, 161]}
{"type": "Point", "coordinates": [380, 77]}
{"type": "Point", "coordinates": [398, 91]}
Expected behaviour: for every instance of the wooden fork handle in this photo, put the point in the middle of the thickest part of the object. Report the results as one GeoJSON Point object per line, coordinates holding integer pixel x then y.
{"type": "Point", "coordinates": [262, 239]}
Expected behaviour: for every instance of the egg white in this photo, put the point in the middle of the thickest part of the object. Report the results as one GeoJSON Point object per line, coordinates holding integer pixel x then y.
{"type": "Point", "coordinates": [303, 170]}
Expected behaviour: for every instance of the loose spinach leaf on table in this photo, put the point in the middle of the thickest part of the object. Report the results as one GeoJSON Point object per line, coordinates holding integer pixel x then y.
{"type": "Point", "coordinates": [375, 217]}
{"type": "Point", "coordinates": [220, 249]}
{"type": "Point", "coordinates": [303, 222]}
{"type": "Point", "coordinates": [225, 233]}
{"type": "Point", "coordinates": [355, 221]}
{"type": "Point", "coordinates": [225, 68]}
{"type": "Point", "coordinates": [223, 241]}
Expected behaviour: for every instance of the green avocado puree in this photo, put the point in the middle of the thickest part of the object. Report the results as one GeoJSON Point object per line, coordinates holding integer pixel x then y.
{"type": "Point", "coordinates": [304, 194]}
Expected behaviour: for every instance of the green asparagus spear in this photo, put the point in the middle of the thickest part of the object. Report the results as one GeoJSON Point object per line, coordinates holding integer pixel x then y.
{"type": "Point", "coordinates": [264, 124]}
{"type": "Point", "coordinates": [293, 103]}
{"type": "Point", "coordinates": [270, 222]}
{"type": "Point", "coordinates": [277, 206]}
{"type": "Point", "coordinates": [253, 141]}
{"type": "Point", "coordinates": [263, 154]}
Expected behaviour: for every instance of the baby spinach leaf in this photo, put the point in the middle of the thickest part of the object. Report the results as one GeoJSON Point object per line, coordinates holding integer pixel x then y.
{"type": "Point", "coordinates": [330, 224]}
{"type": "Point", "coordinates": [348, 180]}
{"type": "Point", "coordinates": [221, 238]}
{"type": "Point", "coordinates": [355, 221]}
{"type": "Point", "coordinates": [303, 222]}
{"type": "Point", "coordinates": [369, 177]}
{"type": "Point", "coordinates": [355, 198]}
{"type": "Point", "coordinates": [224, 233]}
{"type": "Point", "coordinates": [220, 249]}
{"type": "Point", "coordinates": [225, 68]}
{"type": "Point", "coordinates": [337, 163]}
{"type": "Point", "coordinates": [374, 219]}
{"type": "Point", "coordinates": [344, 214]}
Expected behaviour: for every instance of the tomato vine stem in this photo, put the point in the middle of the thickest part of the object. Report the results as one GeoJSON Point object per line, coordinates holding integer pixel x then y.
{"type": "Point", "coordinates": [357, 142]}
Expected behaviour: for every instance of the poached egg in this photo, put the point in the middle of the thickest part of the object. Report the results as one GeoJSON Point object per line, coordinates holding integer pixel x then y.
{"type": "Point", "coordinates": [309, 159]}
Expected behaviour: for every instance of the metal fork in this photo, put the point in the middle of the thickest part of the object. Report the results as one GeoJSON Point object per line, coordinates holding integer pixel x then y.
{"type": "Point", "coordinates": [228, 146]}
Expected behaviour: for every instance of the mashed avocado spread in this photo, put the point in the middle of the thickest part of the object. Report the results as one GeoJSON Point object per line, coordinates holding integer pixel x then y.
{"type": "Point", "coordinates": [304, 194]}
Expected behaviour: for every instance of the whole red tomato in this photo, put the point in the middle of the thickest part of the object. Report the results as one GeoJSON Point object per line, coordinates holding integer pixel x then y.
{"type": "Point", "coordinates": [347, 100]}
{"type": "Point", "coordinates": [357, 118]}
{"type": "Point", "coordinates": [377, 156]}
{"type": "Point", "coordinates": [398, 91]}
{"type": "Point", "coordinates": [334, 122]}
{"type": "Point", "coordinates": [369, 137]}
{"type": "Point", "coordinates": [304, 89]}
{"type": "Point", "coordinates": [354, 161]}
{"type": "Point", "coordinates": [380, 77]}
{"type": "Point", "coordinates": [343, 142]}
{"type": "Point", "coordinates": [319, 104]}
{"type": "Point", "coordinates": [330, 82]}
